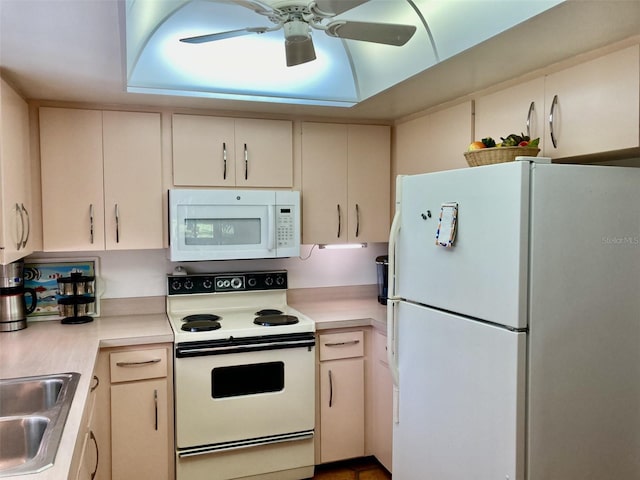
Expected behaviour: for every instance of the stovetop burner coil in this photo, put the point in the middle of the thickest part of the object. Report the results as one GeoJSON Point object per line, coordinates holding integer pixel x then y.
{"type": "Point", "coordinates": [275, 320]}
{"type": "Point", "coordinates": [208, 317]}
{"type": "Point", "coordinates": [200, 325]}
{"type": "Point", "coordinates": [268, 311]}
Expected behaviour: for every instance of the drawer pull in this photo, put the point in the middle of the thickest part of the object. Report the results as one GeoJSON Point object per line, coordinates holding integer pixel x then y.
{"type": "Point", "coordinates": [93, 387]}
{"type": "Point", "coordinates": [341, 344]}
{"type": "Point", "coordinates": [139, 364]}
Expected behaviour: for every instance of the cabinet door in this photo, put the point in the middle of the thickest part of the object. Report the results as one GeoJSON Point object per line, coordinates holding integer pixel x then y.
{"type": "Point", "coordinates": [341, 409]}
{"type": "Point", "coordinates": [596, 107]}
{"type": "Point", "coordinates": [139, 430]}
{"type": "Point", "coordinates": [434, 142]}
{"type": "Point", "coordinates": [72, 190]}
{"type": "Point", "coordinates": [369, 164]}
{"type": "Point", "coordinates": [324, 183]}
{"type": "Point", "coordinates": [264, 153]}
{"type": "Point", "coordinates": [518, 109]}
{"type": "Point", "coordinates": [382, 403]}
{"type": "Point", "coordinates": [15, 178]}
{"type": "Point", "coordinates": [203, 151]}
{"type": "Point", "coordinates": [133, 200]}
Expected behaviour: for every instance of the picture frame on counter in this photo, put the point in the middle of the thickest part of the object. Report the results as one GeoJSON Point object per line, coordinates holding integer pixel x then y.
{"type": "Point", "coordinates": [42, 276]}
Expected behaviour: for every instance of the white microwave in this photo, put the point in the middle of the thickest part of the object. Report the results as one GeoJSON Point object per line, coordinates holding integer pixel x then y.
{"type": "Point", "coordinates": [233, 224]}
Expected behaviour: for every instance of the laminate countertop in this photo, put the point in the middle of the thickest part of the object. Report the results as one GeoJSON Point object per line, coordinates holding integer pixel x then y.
{"type": "Point", "coordinates": [48, 347]}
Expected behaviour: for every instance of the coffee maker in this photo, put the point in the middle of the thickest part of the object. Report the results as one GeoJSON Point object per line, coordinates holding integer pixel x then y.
{"type": "Point", "coordinates": [13, 306]}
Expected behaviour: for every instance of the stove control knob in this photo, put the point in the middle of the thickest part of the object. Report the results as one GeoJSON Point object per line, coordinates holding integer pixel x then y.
{"type": "Point", "coordinates": [268, 281]}
{"type": "Point", "coordinates": [236, 282]}
{"type": "Point", "coordinates": [176, 285]}
{"type": "Point", "coordinates": [280, 280]}
{"type": "Point", "coordinates": [207, 284]}
{"type": "Point", "coordinates": [252, 282]}
{"type": "Point", "coordinates": [188, 284]}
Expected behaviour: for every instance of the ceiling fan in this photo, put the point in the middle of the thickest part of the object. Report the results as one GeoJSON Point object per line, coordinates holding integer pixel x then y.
{"type": "Point", "coordinates": [298, 17]}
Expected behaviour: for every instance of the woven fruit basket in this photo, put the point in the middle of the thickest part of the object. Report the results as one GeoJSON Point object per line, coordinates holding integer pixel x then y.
{"type": "Point", "coordinates": [489, 156]}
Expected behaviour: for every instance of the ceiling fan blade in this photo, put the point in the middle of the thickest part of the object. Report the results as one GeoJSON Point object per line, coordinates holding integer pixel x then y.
{"type": "Point", "coordinates": [255, 5]}
{"type": "Point", "coordinates": [299, 52]}
{"type": "Point", "coordinates": [336, 7]}
{"type": "Point", "coordinates": [222, 35]}
{"type": "Point", "coordinates": [386, 33]}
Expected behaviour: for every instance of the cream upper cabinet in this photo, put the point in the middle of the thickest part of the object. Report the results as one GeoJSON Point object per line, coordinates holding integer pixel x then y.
{"type": "Point", "coordinates": [434, 142]}
{"type": "Point", "coordinates": [15, 177]}
{"type": "Point", "coordinates": [133, 193]}
{"type": "Point", "coordinates": [518, 109]}
{"type": "Point", "coordinates": [101, 180]}
{"type": "Point", "coordinates": [594, 106]}
{"type": "Point", "coordinates": [228, 152]}
{"type": "Point", "coordinates": [345, 183]}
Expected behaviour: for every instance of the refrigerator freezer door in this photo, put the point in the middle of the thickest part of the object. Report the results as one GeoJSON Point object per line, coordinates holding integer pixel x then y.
{"type": "Point", "coordinates": [584, 406]}
{"type": "Point", "coordinates": [483, 274]}
{"type": "Point", "coordinates": [461, 399]}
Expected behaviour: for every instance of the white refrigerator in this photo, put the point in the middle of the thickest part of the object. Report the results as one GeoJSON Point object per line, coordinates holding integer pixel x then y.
{"type": "Point", "coordinates": [514, 323]}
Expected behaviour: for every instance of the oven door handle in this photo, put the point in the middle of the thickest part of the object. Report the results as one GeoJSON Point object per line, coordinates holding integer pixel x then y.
{"type": "Point", "coordinates": [201, 350]}
{"type": "Point", "coordinates": [256, 442]}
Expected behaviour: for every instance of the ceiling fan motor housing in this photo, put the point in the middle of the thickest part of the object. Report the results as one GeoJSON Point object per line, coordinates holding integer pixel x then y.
{"type": "Point", "coordinates": [296, 30]}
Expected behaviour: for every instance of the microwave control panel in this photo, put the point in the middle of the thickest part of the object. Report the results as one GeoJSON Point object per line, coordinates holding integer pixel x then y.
{"type": "Point", "coordinates": [285, 227]}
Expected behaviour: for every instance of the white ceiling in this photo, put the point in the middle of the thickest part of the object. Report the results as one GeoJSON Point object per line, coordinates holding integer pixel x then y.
{"type": "Point", "coordinates": [73, 51]}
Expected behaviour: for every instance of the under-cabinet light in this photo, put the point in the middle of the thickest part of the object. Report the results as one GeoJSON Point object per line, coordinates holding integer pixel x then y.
{"type": "Point", "coordinates": [341, 246]}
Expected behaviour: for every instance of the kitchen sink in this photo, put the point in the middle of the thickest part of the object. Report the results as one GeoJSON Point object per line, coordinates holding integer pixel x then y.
{"type": "Point", "coordinates": [33, 411]}
{"type": "Point", "coordinates": [21, 397]}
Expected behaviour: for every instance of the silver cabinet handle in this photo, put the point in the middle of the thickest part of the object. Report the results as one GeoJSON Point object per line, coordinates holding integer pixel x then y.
{"type": "Point", "coordinates": [551, 112]}
{"type": "Point", "coordinates": [339, 220]}
{"type": "Point", "coordinates": [357, 220]}
{"type": "Point", "coordinates": [330, 390]}
{"type": "Point", "coordinates": [95, 442]}
{"type": "Point", "coordinates": [21, 235]}
{"type": "Point", "coordinates": [224, 160]}
{"type": "Point", "coordinates": [91, 221]}
{"type": "Point", "coordinates": [117, 212]}
{"type": "Point", "coordinates": [531, 109]}
{"type": "Point", "coordinates": [246, 162]}
{"type": "Point", "coordinates": [155, 401]}
{"type": "Point", "coordinates": [93, 387]}
{"type": "Point", "coordinates": [341, 344]}
{"type": "Point", "coordinates": [26, 212]}
{"type": "Point", "coordinates": [138, 364]}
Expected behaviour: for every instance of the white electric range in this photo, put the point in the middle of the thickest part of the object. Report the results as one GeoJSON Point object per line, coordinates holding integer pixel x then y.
{"type": "Point", "coordinates": [244, 370]}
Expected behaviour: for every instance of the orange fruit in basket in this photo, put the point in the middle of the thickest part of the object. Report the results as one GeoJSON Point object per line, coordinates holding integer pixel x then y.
{"type": "Point", "coordinates": [476, 146]}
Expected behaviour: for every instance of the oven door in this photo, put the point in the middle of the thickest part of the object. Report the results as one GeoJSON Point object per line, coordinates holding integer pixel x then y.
{"type": "Point", "coordinates": [244, 392]}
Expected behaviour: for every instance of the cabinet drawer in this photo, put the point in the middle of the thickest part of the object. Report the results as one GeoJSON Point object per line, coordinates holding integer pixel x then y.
{"type": "Point", "coordinates": [138, 365]}
{"type": "Point", "coordinates": [341, 345]}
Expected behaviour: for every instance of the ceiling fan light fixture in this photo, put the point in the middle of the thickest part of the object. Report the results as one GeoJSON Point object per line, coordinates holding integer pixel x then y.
{"type": "Point", "coordinates": [299, 52]}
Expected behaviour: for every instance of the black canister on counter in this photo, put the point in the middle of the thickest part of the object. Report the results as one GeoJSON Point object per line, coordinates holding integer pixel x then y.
{"type": "Point", "coordinates": [382, 265]}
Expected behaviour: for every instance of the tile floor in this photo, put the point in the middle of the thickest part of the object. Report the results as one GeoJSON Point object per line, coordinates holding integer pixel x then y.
{"type": "Point", "coordinates": [358, 469]}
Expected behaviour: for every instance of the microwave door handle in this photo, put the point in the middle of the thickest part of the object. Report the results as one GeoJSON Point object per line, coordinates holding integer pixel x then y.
{"type": "Point", "coordinates": [271, 234]}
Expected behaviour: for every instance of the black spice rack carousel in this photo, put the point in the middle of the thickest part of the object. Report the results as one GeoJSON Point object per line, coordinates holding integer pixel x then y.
{"type": "Point", "coordinates": [76, 298]}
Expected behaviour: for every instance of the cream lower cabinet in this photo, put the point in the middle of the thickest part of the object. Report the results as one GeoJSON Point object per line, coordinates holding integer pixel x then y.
{"type": "Point", "coordinates": [342, 408]}
{"type": "Point", "coordinates": [141, 446]}
{"type": "Point", "coordinates": [89, 458]}
{"type": "Point", "coordinates": [381, 391]}
{"type": "Point", "coordinates": [228, 152]}
{"type": "Point", "coordinates": [15, 177]}
{"type": "Point", "coordinates": [133, 419]}
{"type": "Point", "coordinates": [101, 180]}
{"type": "Point", "coordinates": [345, 183]}
{"type": "Point", "coordinates": [593, 107]}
